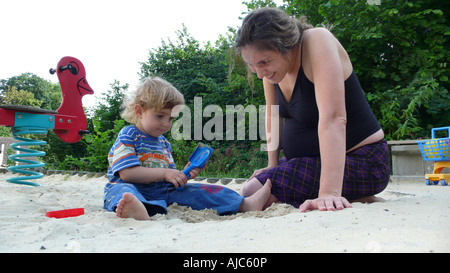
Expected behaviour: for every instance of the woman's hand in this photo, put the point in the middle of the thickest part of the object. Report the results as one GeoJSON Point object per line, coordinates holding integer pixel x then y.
{"type": "Point", "coordinates": [255, 173]}
{"type": "Point", "coordinates": [325, 203]}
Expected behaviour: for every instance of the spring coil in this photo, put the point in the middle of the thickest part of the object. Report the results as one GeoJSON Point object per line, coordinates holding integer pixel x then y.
{"type": "Point", "coordinates": [28, 164]}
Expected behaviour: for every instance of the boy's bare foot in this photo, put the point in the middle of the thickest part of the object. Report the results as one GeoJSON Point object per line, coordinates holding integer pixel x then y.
{"type": "Point", "coordinates": [256, 201]}
{"type": "Point", "coordinates": [130, 207]}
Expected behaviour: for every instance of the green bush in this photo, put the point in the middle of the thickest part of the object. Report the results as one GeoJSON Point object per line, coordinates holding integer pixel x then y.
{"type": "Point", "coordinates": [98, 145]}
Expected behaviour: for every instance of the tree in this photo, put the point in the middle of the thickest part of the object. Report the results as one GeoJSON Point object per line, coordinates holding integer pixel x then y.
{"type": "Point", "coordinates": [97, 145]}
{"type": "Point", "coordinates": [11, 95]}
{"type": "Point", "coordinates": [46, 92]}
{"type": "Point", "coordinates": [197, 70]}
{"type": "Point", "coordinates": [109, 107]}
{"type": "Point", "coordinates": [18, 97]}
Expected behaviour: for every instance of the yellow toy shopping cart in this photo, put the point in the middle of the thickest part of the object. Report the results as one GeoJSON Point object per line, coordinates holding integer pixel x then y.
{"type": "Point", "coordinates": [437, 150]}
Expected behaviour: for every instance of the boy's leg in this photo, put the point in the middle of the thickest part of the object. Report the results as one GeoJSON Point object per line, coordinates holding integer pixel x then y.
{"type": "Point", "coordinates": [250, 187]}
{"type": "Point", "coordinates": [114, 193]}
{"type": "Point", "coordinates": [205, 196]}
{"type": "Point", "coordinates": [130, 207]}
{"type": "Point", "coordinates": [260, 199]}
{"type": "Point", "coordinates": [253, 186]}
{"type": "Point", "coordinates": [224, 200]}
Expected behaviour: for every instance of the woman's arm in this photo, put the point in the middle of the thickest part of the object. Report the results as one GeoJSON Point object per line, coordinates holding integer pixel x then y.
{"type": "Point", "coordinates": [274, 125]}
{"type": "Point", "coordinates": [328, 77]}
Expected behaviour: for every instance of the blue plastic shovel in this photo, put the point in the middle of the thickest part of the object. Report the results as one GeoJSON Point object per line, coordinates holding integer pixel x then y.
{"type": "Point", "coordinates": [198, 158]}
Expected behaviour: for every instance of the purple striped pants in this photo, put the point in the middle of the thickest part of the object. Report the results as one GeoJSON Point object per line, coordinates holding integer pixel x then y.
{"type": "Point", "coordinates": [366, 173]}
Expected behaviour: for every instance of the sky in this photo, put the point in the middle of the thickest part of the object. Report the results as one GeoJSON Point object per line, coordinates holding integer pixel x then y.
{"type": "Point", "coordinates": [109, 37]}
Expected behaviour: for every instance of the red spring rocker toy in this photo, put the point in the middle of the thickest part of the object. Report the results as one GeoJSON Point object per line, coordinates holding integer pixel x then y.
{"type": "Point", "coordinates": [68, 121]}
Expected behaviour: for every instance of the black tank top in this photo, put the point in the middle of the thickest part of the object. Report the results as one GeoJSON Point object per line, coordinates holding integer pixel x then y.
{"type": "Point", "coordinates": [300, 134]}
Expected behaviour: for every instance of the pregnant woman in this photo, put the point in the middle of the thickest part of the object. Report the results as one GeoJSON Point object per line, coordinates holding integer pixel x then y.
{"type": "Point", "coordinates": [334, 147]}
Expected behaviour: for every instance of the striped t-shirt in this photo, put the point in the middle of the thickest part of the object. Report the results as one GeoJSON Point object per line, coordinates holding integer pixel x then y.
{"type": "Point", "coordinates": [135, 148]}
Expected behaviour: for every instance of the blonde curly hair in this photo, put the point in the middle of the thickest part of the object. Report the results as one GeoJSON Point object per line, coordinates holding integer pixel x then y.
{"type": "Point", "coordinates": [154, 92]}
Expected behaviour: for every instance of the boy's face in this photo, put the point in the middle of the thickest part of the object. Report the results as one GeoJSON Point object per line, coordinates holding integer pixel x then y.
{"type": "Point", "coordinates": [154, 123]}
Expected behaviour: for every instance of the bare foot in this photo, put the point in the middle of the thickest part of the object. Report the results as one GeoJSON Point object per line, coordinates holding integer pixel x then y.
{"type": "Point", "coordinates": [130, 207]}
{"type": "Point", "coordinates": [256, 201]}
{"type": "Point", "coordinates": [370, 199]}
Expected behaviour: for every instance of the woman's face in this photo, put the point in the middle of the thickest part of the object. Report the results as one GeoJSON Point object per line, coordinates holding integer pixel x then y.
{"type": "Point", "coordinates": [268, 64]}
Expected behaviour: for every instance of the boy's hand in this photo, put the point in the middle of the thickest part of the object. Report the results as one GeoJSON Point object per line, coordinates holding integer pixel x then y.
{"type": "Point", "coordinates": [194, 172]}
{"type": "Point", "coordinates": [176, 177]}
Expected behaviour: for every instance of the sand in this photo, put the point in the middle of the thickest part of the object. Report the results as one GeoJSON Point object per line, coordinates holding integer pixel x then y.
{"type": "Point", "coordinates": [413, 218]}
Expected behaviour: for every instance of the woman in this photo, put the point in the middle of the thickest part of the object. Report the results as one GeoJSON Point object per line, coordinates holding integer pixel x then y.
{"type": "Point", "coordinates": [334, 147]}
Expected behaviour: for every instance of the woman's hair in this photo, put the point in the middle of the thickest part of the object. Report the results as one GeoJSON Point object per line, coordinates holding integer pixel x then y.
{"type": "Point", "coordinates": [154, 92]}
{"type": "Point", "coordinates": [271, 29]}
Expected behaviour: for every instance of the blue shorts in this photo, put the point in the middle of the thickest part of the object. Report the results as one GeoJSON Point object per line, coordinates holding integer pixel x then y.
{"type": "Point", "coordinates": [157, 196]}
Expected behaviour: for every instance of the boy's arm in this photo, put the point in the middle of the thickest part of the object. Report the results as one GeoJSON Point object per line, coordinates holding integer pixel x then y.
{"type": "Point", "coordinates": [144, 175]}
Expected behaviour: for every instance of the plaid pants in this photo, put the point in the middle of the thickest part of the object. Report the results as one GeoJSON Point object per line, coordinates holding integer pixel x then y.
{"type": "Point", "coordinates": [366, 173]}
